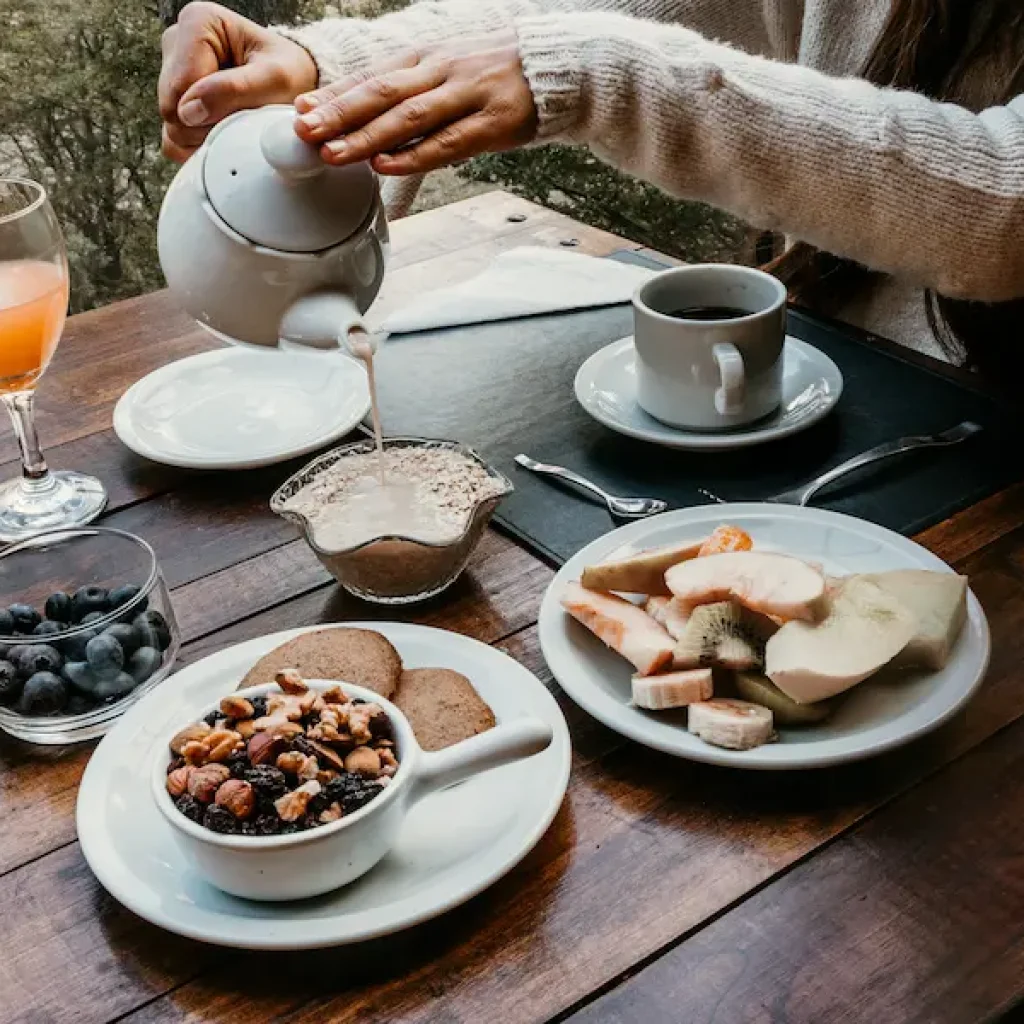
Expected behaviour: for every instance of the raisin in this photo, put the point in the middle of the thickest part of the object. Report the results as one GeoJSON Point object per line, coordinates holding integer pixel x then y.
{"type": "Point", "coordinates": [262, 825]}
{"type": "Point", "coordinates": [190, 807]}
{"type": "Point", "coordinates": [259, 706]}
{"type": "Point", "coordinates": [358, 700]}
{"type": "Point", "coordinates": [238, 764]}
{"type": "Point", "coordinates": [302, 745]}
{"type": "Point", "coordinates": [318, 805]}
{"type": "Point", "coordinates": [381, 728]}
{"type": "Point", "coordinates": [268, 782]}
{"type": "Point", "coordinates": [174, 764]}
{"type": "Point", "coordinates": [351, 791]}
{"type": "Point", "coordinates": [213, 718]}
{"type": "Point", "coordinates": [220, 819]}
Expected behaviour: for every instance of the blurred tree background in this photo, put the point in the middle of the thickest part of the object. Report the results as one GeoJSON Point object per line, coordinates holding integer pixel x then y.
{"type": "Point", "coordinates": [78, 113]}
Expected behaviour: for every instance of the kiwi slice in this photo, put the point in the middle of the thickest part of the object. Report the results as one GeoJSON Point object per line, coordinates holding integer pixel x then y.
{"type": "Point", "coordinates": [759, 689]}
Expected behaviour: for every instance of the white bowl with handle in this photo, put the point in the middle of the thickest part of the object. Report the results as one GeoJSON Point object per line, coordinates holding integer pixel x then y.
{"type": "Point", "coordinates": [318, 860]}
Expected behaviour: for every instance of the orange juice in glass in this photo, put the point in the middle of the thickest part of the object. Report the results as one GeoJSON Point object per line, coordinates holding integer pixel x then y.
{"type": "Point", "coordinates": [33, 305]}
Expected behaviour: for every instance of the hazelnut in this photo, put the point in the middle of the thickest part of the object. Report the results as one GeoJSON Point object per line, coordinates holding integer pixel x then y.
{"type": "Point", "coordinates": [363, 761]}
{"type": "Point", "coordinates": [204, 782]}
{"type": "Point", "coordinates": [388, 762]}
{"type": "Point", "coordinates": [237, 796]}
{"type": "Point", "coordinates": [292, 806]}
{"type": "Point", "coordinates": [326, 756]}
{"type": "Point", "coordinates": [299, 764]}
{"type": "Point", "coordinates": [222, 743]}
{"type": "Point", "coordinates": [195, 752]}
{"type": "Point", "coordinates": [264, 747]}
{"type": "Point", "coordinates": [278, 725]}
{"type": "Point", "coordinates": [290, 681]}
{"type": "Point", "coordinates": [177, 781]}
{"type": "Point", "coordinates": [195, 732]}
{"type": "Point", "coordinates": [333, 813]}
{"type": "Point", "coordinates": [236, 707]}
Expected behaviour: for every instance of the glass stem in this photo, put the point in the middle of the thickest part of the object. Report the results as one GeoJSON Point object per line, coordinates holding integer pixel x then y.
{"type": "Point", "coordinates": [21, 406]}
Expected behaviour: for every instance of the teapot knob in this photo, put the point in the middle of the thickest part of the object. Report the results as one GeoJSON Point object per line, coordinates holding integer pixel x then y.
{"type": "Point", "coordinates": [287, 153]}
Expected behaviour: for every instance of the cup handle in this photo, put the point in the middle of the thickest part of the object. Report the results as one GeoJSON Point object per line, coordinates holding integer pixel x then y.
{"type": "Point", "coordinates": [729, 397]}
{"type": "Point", "coordinates": [502, 745]}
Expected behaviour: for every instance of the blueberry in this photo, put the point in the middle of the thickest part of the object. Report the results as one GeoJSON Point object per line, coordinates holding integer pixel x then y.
{"type": "Point", "coordinates": [143, 663]}
{"type": "Point", "coordinates": [78, 705]}
{"type": "Point", "coordinates": [122, 595]}
{"type": "Point", "coordinates": [10, 683]}
{"type": "Point", "coordinates": [89, 599]}
{"type": "Point", "coordinates": [6, 623]}
{"type": "Point", "coordinates": [44, 693]}
{"type": "Point", "coordinates": [92, 617]}
{"type": "Point", "coordinates": [111, 688]}
{"type": "Point", "coordinates": [35, 658]}
{"type": "Point", "coordinates": [81, 677]}
{"type": "Point", "coordinates": [48, 627]}
{"type": "Point", "coordinates": [58, 607]}
{"type": "Point", "coordinates": [125, 636]}
{"type": "Point", "coordinates": [5, 652]}
{"type": "Point", "coordinates": [152, 630]}
{"type": "Point", "coordinates": [25, 617]}
{"type": "Point", "coordinates": [16, 653]}
{"type": "Point", "coordinates": [104, 654]}
{"type": "Point", "coordinates": [74, 646]}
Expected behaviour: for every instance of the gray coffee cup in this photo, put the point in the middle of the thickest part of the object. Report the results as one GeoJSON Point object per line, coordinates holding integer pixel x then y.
{"type": "Point", "coordinates": [709, 374]}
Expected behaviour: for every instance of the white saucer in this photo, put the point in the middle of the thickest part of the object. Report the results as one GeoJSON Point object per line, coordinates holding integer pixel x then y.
{"type": "Point", "coordinates": [875, 716]}
{"type": "Point", "coordinates": [452, 845]}
{"type": "Point", "coordinates": [606, 388]}
{"type": "Point", "coordinates": [239, 408]}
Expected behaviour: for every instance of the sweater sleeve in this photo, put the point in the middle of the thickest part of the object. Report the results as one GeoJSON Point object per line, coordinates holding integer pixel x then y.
{"type": "Point", "coordinates": [929, 192]}
{"type": "Point", "coordinates": [343, 45]}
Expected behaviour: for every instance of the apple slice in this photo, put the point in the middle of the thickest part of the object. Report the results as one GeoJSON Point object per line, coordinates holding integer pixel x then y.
{"type": "Point", "coordinates": [772, 584]}
{"type": "Point", "coordinates": [624, 627]}
{"type": "Point", "coordinates": [865, 629]}
{"type": "Point", "coordinates": [643, 573]}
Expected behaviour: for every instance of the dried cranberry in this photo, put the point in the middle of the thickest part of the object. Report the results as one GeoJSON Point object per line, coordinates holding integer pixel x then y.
{"type": "Point", "coordinates": [268, 782]}
{"type": "Point", "coordinates": [220, 819]}
{"type": "Point", "coordinates": [190, 807]}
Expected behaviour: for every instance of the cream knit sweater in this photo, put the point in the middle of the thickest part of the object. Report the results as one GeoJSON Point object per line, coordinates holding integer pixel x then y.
{"type": "Point", "coordinates": [751, 105]}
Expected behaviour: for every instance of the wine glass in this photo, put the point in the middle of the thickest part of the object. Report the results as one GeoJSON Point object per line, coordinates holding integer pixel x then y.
{"type": "Point", "coordinates": [33, 306]}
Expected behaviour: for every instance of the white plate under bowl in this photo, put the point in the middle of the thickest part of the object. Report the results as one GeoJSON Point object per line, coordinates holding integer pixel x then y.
{"type": "Point", "coordinates": [873, 717]}
{"type": "Point", "coordinates": [606, 388]}
{"type": "Point", "coordinates": [240, 408]}
{"type": "Point", "coordinates": [452, 845]}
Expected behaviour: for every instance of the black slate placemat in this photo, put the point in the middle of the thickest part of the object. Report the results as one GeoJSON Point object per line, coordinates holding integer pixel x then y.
{"type": "Point", "coordinates": [507, 387]}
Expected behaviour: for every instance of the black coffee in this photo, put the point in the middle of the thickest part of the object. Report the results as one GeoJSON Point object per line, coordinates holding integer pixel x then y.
{"type": "Point", "coordinates": [709, 313]}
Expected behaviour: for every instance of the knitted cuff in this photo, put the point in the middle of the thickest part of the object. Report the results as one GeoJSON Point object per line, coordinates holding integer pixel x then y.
{"type": "Point", "coordinates": [550, 53]}
{"type": "Point", "coordinates": [336, 47]}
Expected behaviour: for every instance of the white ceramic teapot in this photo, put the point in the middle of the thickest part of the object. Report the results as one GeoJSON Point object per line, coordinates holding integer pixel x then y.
{"type": "Point", "coordinates": [262, 242]}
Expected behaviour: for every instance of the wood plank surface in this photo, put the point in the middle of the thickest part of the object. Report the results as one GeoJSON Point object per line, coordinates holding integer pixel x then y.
{"type": "Point", "coordinates": [664, 890]}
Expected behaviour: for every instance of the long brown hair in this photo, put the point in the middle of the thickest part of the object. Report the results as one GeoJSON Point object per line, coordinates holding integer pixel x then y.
{"type": "Point", "coordinates": [931, 46]}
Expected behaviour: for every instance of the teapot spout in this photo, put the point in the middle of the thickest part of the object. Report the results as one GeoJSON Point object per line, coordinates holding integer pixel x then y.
{"type": "Point", "coordinates": [323, 320]}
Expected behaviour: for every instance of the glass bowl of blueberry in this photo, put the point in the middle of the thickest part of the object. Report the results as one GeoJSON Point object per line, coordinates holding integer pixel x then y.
{"type": "Point", "coordinates": [86, 628]}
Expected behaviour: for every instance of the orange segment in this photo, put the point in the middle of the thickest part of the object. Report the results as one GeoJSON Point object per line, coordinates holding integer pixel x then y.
{"type": "Point", "coordinates": [724, 539]}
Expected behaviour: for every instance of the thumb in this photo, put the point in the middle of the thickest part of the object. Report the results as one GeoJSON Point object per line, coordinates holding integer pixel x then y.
{"type": "Point", "coordinates": [214, 97]}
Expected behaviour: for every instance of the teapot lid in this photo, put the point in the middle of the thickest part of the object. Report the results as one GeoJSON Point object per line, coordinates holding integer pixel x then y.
{"type": "Point", "coordinates": [273, 188]}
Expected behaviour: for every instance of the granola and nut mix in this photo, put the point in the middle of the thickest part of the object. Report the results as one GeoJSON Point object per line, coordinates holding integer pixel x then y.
{"type": "Point", "coordinates": [281, 763]}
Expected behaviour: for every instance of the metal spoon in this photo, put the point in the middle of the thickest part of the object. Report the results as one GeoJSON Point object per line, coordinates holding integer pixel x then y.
{"type": "Point", "coordinates": [625, 508]}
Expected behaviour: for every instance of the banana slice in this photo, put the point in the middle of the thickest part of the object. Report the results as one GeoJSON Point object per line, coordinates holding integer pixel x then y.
{"type": "Point", "coordinates": [733, 724]}
{"type": "Point", "coordinates": [673, 690]}
{"type": "Point", "coordinates": [759, 689]}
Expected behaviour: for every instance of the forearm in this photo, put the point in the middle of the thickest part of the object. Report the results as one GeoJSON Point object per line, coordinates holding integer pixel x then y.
{"type": "Point", "coordinates": [928, 191]}
{"type": "Point", "coordinates": [343, 45]}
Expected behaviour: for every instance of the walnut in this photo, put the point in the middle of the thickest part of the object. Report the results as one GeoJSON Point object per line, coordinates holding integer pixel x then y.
{"type": "Point", "coordinates": [264, 747]}
{"type": "Point", "coordinates": [330, 717]}
{"type": "Point", "coordinates": [326, 733]}
{"type": "Point", "coordinates": [310, 702]}
{"type": "Point", "coordinates": [292, 806]}
{"type": "Point", "coordinates": [246, 728]}
{"type": "Point", "coordinates": [195, 752]}
{"type": "Point", "coordinates": [290, 681]}
{"type": "Point", "coordinates": [196, 732]}
{"type": "Point", "coordinates": [326, 756]}
{"type": "Point", "coordinates": [388, 762]}
{"type": "Point", "coordinates": [363, 761]}
{"type": "Point", "coordinates": [177, 781]}
{"type": "Point", "coordinates": [333, 813]}
{"type": "Point", "coordinates": [359, 723]}
{"type": "Point", "coordinates": [283, 705]}
{"type": "Point", "coordinates": [204, 782]}
{"type": "Point", "coordinates": [236, 707]}
{"type": "Point", "coordinates": [237, 796]}
{"type": "Point", "coordinates": [325, 775]}
{"type": "Point", "coordinates": [296, 763]}
{"type": "Point", "coordinates": [334, 695]}
{"type": "Point", "coordinates": [223, 743]}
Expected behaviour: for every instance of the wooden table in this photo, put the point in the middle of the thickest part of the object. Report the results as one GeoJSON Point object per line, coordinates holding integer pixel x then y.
{"type": "Point", "coordinates": [889, 891]}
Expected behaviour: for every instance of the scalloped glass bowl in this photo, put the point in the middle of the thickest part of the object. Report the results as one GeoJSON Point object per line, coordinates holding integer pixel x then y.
{"type": "Point", "coordinates": [65, 560]}
{"type": "Point", "coordinates": [394, 569]}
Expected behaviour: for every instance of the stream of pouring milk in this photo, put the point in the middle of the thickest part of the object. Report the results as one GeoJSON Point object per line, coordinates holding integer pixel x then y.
{"type": "Point", "coordinates": [361, 346]}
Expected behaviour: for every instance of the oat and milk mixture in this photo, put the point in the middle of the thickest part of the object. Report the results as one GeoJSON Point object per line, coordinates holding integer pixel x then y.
{"type": "Point", "coordinates": [429, 494]}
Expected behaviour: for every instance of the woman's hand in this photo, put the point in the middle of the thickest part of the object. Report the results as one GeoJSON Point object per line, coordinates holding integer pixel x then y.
{"type": "Point", "coordinates": [422, 112]}
{"type": "Point", "coordinates": [216, 62]}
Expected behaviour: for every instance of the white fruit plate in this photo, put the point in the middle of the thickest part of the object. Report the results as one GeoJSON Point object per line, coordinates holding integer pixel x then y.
{"type": "Point", "coordinates": [875, 716]}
